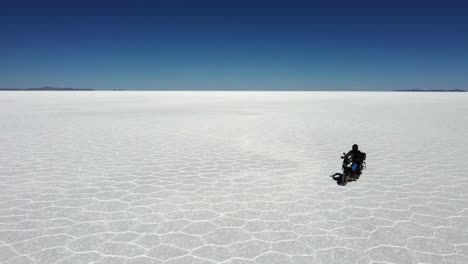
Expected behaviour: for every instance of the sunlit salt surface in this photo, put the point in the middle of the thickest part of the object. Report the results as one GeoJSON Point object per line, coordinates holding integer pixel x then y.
{"type": "Point", "coordinates": [232, 177]}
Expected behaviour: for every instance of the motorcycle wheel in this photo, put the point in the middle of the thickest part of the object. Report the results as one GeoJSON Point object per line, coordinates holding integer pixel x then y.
{"type": "Point", "coordinates": [344, 179]}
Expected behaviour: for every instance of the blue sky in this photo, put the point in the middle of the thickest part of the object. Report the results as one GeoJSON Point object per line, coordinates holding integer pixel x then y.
{"type": "Point", "coordinates": [234, 45]}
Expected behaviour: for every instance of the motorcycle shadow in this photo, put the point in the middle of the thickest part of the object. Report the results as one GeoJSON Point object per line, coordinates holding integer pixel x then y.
{"type": "Point", "coordinates": [338, 177]}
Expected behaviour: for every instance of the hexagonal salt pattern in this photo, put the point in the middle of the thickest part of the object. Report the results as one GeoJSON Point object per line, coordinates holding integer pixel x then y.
{"type": "Point", "coordinates": [231, 177]}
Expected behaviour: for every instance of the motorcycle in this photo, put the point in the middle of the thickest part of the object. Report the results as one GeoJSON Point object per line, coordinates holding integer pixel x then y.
{"type": "Point", "coordinates": [351, 170]}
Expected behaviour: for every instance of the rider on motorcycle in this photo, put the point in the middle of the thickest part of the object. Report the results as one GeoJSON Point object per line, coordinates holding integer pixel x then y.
{"type": "Point", "coordinates": [357, 158]}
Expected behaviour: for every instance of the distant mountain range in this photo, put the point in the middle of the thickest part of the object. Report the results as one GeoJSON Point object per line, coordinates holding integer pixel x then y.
{"type": "Point", "coordinates": [430, 90]}
{"type": "Point", "coordinates": [46, 88]}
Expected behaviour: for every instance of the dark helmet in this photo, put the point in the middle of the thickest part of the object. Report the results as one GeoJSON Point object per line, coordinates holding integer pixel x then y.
{"type": "Point", "coordinates": [355, 147]}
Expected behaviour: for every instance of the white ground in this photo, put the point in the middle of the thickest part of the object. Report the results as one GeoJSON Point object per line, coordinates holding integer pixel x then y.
{"type": "Point", "coordinates": [232, 177]}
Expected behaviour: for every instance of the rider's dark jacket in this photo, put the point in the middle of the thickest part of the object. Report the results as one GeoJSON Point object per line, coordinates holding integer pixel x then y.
{"type": "Point", "coordinates": [356, 156]}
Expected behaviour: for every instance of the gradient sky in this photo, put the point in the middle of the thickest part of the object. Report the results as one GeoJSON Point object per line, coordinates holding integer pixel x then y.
{"type": "Point", "coordinates": [229, 45]}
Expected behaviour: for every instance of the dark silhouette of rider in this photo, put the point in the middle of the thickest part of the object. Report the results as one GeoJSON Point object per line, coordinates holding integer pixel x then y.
{"type": "Point", "coordinates": [356, 157]}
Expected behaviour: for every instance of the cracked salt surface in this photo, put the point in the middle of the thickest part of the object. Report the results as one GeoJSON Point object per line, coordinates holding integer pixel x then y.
{"type": "Point", "coordinates": [232, 177]}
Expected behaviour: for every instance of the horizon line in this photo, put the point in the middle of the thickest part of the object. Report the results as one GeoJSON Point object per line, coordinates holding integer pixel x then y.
{"type": "Point", "coordinates": [47, 88]}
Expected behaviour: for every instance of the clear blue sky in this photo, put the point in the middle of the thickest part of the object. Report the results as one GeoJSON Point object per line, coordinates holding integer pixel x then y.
{"type": "Point", "coordinates": [229, 45]}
